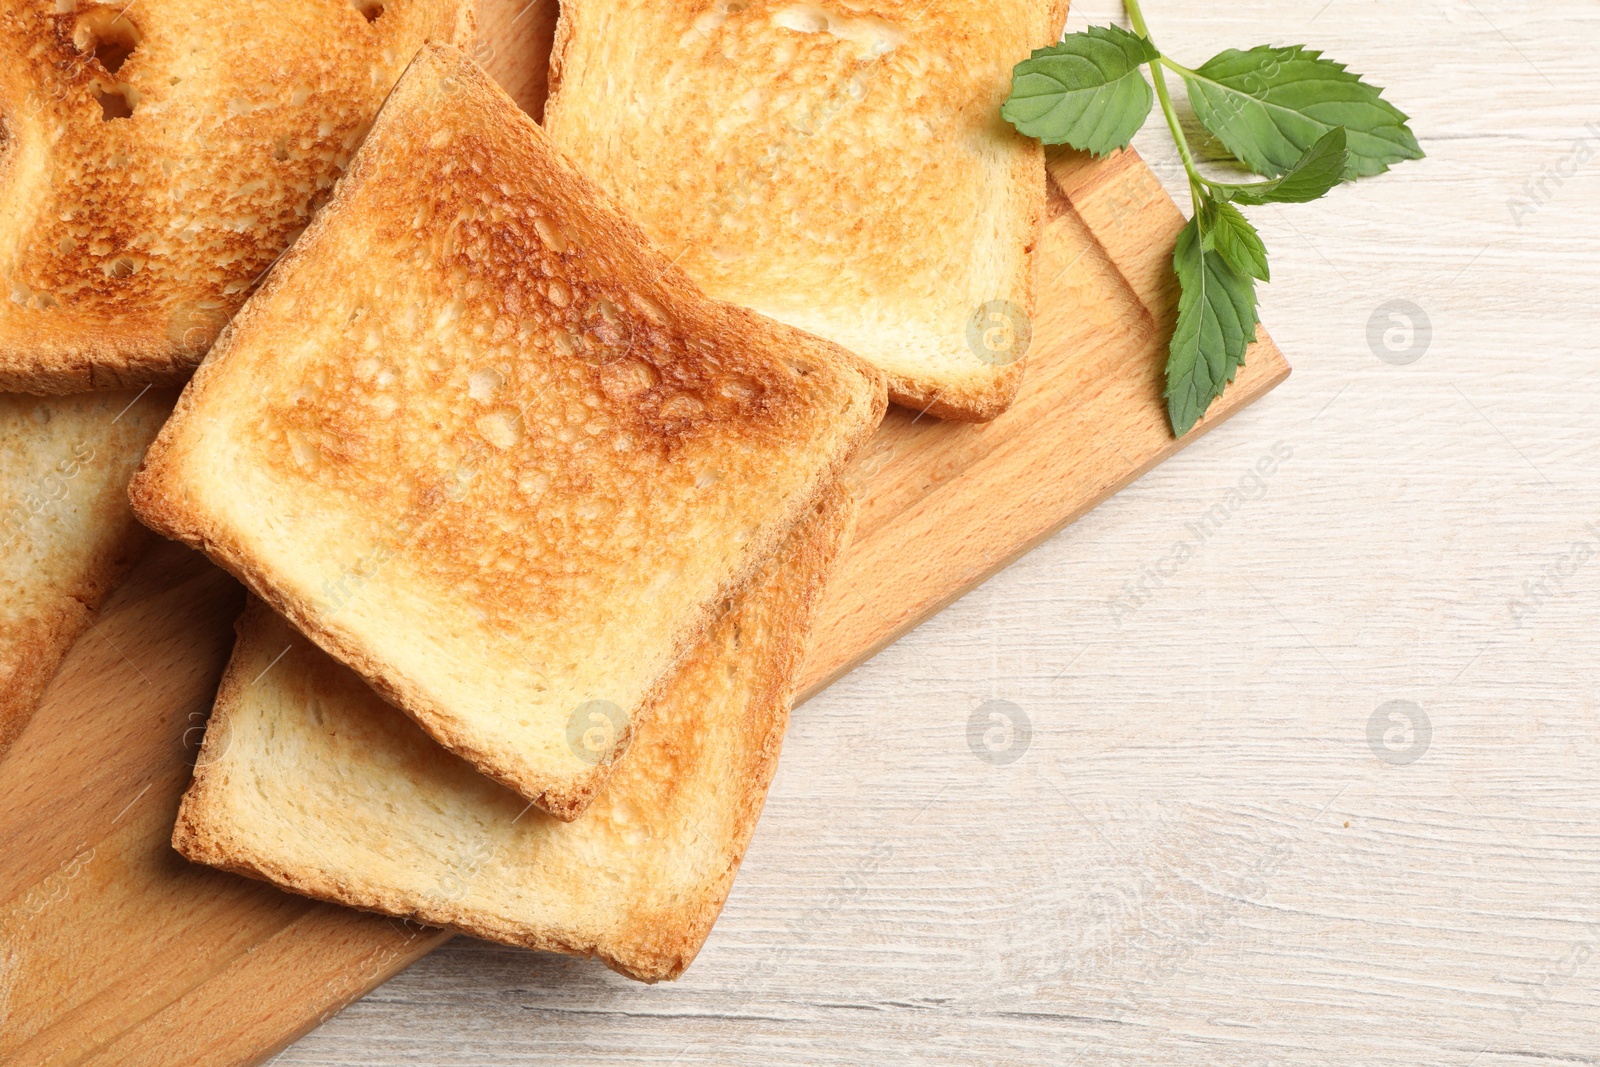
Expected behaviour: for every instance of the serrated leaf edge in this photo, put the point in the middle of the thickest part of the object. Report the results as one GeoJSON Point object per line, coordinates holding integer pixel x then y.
{"type": "Point", "coordinates": [1297, 52]}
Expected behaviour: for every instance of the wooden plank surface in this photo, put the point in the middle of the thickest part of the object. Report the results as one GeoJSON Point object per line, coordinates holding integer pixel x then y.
{"type": "Point", "coordinates": [1200, 859]}
{"type": "Point", "coordinates": [113, 949]}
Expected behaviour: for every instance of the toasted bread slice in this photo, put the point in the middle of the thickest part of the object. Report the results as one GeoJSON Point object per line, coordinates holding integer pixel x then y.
{"type": "Point", "coordinates": [156, 157]}
{"type": "Point", "coordinates": [66, 533]}
{"type": "Point", "coordinates": [843, 169]}
{"type": "Point", "coordinates": [307, 779]}
{"type": "Point", "coordinates": [480, 442]}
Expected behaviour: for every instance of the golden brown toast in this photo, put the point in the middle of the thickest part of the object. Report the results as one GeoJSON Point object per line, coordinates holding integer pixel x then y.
{"type": "Point", "coordinates": [67, 535]}
{"type": "Point", "coordinates": [157, 157]}
{"type": "Point", "coordinates": [308, 780]}
{"type": "Point", "coordinates": [484, 445]}
{"type": "Point", "coordinates": [839, 166]}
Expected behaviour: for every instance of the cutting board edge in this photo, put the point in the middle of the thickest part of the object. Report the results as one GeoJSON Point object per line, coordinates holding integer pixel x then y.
{"type": "Point", "coordinates": [1276, 371]}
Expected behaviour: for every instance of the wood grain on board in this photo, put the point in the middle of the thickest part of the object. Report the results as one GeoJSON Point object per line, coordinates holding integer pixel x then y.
{"type": "Point", "coordinates": [113, 949]}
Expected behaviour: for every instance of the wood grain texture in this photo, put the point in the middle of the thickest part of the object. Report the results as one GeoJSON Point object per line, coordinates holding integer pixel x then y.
{"type": "Point", "coordinates": [114, 950]}
{"type": "Point", "coordinates": [945, 505]}
{"type": "Point", "coordinates": [1199, 860]}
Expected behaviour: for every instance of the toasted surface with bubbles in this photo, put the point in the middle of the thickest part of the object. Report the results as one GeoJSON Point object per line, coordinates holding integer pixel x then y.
{"type": "Point", "coordinates": [484, 445]}
{"type": "Point", "coordinates": [840, 166]}
{"type": "Point", "coordinates": [66, 534]}
{"type": "Point", "coordinates": [308, 780]}
{"type": "Point", "coordinates": [156, 158]}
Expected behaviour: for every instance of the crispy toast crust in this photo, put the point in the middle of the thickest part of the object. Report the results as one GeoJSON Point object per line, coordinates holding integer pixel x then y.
{"type": "Point", "coordinates": [754, 392]}
{"type": "Point", "coordinates": [706, 759]}
{"type": "Point", "coordinates": [127, 242]}
{"type": "Point", "coordinates": [843, 170]}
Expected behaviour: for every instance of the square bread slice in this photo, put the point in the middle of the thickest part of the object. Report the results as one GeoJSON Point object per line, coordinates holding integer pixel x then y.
{"type": "Point", "coordinates": [484, 445]}
{"type": "Point", "coordinates": [841, 167]}
{"type": "Point", "coordinates": [67, 536]}
{"type": "Point", "coordinates": [308, 780]}
{"type": "Point", "coordinates": [156, 157]}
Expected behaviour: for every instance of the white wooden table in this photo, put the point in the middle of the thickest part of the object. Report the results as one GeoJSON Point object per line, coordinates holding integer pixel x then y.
{"type": "Point", "coordinates": [1207, 853]}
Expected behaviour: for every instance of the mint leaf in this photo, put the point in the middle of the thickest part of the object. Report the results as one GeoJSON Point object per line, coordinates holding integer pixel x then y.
{"type": "Point", "coordinates": [1229, 234]}
{"type": "Point", "coordinates": [1216, 323]}
{"type": "Point", "coordinates": [1301, 121]}
{"type": "Point", "coordinates": [1319, 170]}
{"type": "Point", "coordinates": [1269, 105]}
{"type": "Point", "coordinates": [1085, 91]}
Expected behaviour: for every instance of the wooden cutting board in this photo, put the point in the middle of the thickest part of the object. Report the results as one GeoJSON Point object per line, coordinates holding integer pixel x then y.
{"type": "Point", "coordinates": [115, 950]}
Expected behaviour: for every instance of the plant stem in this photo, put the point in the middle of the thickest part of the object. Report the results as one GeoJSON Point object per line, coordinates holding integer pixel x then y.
{"type": "Point", "coordinates": [1195, 181]}
{"type": "Point", "coordinates": [1136, 16]}
{"type": "Point", "coordinates": [1176, 67]}
{"type": "Point", "coordinates": [1159, 78]}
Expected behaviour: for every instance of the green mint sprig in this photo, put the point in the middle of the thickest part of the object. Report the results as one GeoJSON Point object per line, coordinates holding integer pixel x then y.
{"type": "Point", "coordinates": [1289, 115]}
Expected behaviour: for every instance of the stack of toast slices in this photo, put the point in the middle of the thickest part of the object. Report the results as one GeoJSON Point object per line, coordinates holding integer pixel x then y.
{"type": "Point", "coordinates": [530, 444]}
